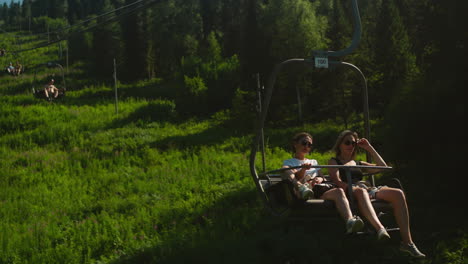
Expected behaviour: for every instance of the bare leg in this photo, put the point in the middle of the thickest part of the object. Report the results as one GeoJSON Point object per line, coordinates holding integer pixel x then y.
{"type": "Point", "coordinates": [397, 199]}
{"type": "Point", "coordinates": [366, 208]}
{"type": "Point", "coordinates": [46, 93]}
{"type": "Point", "coordinates": [342, 205]}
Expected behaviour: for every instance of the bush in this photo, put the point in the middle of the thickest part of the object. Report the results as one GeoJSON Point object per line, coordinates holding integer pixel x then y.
{"type": "Point", "coordinates": [195, 86]}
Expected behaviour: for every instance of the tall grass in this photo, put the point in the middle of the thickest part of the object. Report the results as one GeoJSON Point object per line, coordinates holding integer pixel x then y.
{"type": "Point", "coordinates": [83, 184]}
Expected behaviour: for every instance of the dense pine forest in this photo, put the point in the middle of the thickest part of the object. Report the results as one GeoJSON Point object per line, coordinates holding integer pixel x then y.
{"type": "Point", "coordinates": [145, 159]}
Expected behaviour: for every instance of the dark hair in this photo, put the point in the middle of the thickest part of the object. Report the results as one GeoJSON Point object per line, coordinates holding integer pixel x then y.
{"type": "Point", "coordinates": [295, 139]}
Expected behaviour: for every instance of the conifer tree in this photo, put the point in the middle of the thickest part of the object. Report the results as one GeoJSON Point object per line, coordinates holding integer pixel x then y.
{"type": "Point", "coordinates": [4, 13]}
{"type": "Point", "coordinates": [133, 34]}
{"type": "Point", "coordinates": [424, 126]}
{"type": "Point", "coordinates": [106, 45]}
{"type": "Point", "coordinates": [336, 88]}
{"type": "Point", "coordinates": [293, 29]}
{"type": "Point", "coordinates": [395, 59]}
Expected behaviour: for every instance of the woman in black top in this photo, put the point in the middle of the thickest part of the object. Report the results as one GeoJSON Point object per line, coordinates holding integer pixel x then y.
{"type": "Point", "coordinates": [345, 149]}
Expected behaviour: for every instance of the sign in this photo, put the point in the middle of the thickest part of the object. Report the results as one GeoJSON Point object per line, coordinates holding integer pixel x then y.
{"type": "Point", "coordinates": [321, 61]}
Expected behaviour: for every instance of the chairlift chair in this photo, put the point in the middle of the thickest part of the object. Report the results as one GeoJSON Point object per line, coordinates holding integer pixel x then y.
{"type": "Point", "coordinates": [276, 193]}
{"type": "Point", "coordinates": [38, 84]}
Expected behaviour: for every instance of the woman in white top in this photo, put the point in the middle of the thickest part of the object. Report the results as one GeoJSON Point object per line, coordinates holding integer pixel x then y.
{"type": "Point", "coordinates": [305, 178]}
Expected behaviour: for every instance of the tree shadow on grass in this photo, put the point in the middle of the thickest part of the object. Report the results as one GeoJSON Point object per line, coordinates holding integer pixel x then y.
{"type": "Point", "coordinates": [240, 231]}
{"type": "Point", "coordinates": [16, 87]}
{"type": "Point", "coordinates": [212, 136]}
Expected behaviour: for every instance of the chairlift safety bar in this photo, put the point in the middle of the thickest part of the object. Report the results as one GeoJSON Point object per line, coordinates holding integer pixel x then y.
{"type": "Point", "coordinates": [328, 167]}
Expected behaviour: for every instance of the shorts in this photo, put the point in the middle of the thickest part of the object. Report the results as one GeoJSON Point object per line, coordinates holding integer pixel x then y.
{"type": "Point", "coordinates": [371, 190]}
{"type": "Point", "coordinates": [320, 188]}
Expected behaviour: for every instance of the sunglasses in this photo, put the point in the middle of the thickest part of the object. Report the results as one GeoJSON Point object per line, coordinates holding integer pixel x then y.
{"type": "Point", "coordinates": [306, 143]}
{"type": "Point", "coordinates": [349, 142]}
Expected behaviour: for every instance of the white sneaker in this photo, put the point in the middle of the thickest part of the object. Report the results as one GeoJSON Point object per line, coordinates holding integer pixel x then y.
{"type": "Point", "coordinates": [354, 225]}
{"type": "Point", "coordinates": [412, 250]}
{"type": "Point", "coordinates": [382, 235]}
{"type": "Point", "coordinates": [305, 192]}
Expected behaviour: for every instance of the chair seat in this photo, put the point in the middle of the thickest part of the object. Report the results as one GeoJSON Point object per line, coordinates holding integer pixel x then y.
{"type": "Point", "coordinates": [315, 208]}
{"type": "Point", "coordinates": [280, 194]}
{"type": "Point", "coordinates": [319, 208]}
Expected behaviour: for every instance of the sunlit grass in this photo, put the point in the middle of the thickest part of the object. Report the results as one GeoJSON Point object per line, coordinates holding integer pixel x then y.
{"type": "Point", "coordinates": [84, 183]}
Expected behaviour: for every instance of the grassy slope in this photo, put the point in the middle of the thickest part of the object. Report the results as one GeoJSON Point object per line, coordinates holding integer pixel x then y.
{"type": "Point", "coordinates": [81, 184]}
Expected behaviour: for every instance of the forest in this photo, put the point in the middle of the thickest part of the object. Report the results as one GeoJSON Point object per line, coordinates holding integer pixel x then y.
{"type": "Point", "coordinates": [190, 74]}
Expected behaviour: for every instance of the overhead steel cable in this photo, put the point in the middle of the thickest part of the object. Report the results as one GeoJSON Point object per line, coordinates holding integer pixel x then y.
{"type": "Point", "coordinates": [110, 19]}
{"type": "Point", "coordinates": [87, 20]}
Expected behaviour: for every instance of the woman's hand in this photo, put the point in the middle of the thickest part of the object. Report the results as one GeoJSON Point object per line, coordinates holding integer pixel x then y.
{"type": "Point", "coordinates": [306, 166]}
{"type": "Point", "coordinates": [316, 180]}
{"type": "Point", "coordinates": [364, 144]}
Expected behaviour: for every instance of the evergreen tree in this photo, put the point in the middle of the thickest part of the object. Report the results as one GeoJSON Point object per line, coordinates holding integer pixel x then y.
{"type": "Point", "coordinates": [106, 45]}
{"type": "Point", "coordinates": [336, 88]}
{"type": "Point", "coordinates": [208, 13]}
{"type": "Point", "coordinates": [340, 30]}
{"type": "Point", "coordinates": [14, 16]}
{"type": "Point", "coordinates": [423, 128]}
{"type": "Point", "coordinates": [251, 53]}
{"type": "Point", "coordinates": [80, 47]}
{"type": "Point", "coordinates": [395, 59]}
{"type": "Point", "coordinates": [40, 8]}
{"type": "Point", "coordinates": [293, 29]}
{"type": "Point", "coordinates": [26, 17]}
{"type": "Point", "coordinates": [4, 13]}
{"type": "Point", "coordinates": [232, 13]}
{"type": "Point", "coordinates": [175, 32]}
{"type": "Point", "coordinates": [133, 35]}
{"type": "Point", "coordinates": [253, 61]}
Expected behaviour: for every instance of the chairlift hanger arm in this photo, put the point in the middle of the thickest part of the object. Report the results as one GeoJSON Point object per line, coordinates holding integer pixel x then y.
{"type": "Point", "coordinates": [356, 36]}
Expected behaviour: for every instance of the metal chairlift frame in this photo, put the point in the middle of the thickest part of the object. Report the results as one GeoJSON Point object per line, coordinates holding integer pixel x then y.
{"type": "Point", "coordinates": [262, 180]}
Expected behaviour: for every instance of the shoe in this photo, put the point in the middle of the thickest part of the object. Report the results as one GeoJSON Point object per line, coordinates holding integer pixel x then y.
{"type": "Point", "coordinates": [305, 192]}
{"type": "Point", "coordinates": [382, 235]}
{"type": "Point", "coordinates": [412, 250]}
{"type": "Point", "coordinates": [354, 225]}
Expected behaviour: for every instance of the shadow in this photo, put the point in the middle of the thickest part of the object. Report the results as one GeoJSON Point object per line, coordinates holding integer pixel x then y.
{"type": "Point", "coordinates": [16, 86]}
{"type": "Point", "coordinates": [89, 97]}
{"type": "Point", "coordinates": [214, 135]}
{"type": "Point", "coordinates": [154, 111]}
{"type": "Point", "coordinates": [241, 232]}
{"type": "Point", "coordinates": [152, 89]}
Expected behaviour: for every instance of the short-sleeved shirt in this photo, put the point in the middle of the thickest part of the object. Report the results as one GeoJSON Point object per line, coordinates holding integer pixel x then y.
{"type": "Point", "coordinates": [310, 173]}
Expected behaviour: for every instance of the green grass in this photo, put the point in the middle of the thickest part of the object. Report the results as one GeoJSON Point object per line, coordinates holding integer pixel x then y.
{"type": "Point", "coordinates": [83, 184]}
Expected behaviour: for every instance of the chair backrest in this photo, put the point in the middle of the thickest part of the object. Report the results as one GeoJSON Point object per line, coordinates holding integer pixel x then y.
{"type": "Point", "coordinates": [278, 194]}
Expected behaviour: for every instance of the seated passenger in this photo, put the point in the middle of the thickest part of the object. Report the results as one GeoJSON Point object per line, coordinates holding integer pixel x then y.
{"type": "Point", "coordinates": [18, 68]}
{"type": "Point", "coordinates": [345, 149]}
{"type": "Point", "coordinates": [308, 182]}
{"type": "Point", "coordinates": [11, 69]}
{"type": "Point", "coordinates": [50, 89]}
